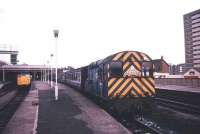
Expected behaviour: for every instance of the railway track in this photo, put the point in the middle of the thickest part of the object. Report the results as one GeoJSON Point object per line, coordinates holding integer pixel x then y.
{"type": "Point", "coordinates": [6, 89]}
{"type": "Point", "coordinates": [147, 127]}
{"type": "Point", "coordinates": [9, 105]}
{"type": "Point", "coordinates": [157, 123]}
{"type": "Point", "coordinates": [180, 106]}
{"type": "Point", "coordinates": [144, 125]}
{"type": "Point", "coordinates": [136, 126]}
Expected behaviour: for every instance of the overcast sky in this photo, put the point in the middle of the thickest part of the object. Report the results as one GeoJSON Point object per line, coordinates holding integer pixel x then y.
{"type": "Point", "coordinates": [94, 29]}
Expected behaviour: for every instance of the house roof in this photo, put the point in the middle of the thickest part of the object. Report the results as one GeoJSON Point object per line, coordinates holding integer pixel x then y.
{"type": "Point", "coordinates": [192, 70]}
{"type": "Point", "coordinates": [160, 60]}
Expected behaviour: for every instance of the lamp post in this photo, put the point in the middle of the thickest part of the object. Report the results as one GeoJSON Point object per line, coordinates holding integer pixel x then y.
{"type": "Point", "coordinates": [45, 75]}
{"type": "Point", "coordinates": [48, 71]}
{"type": "Point", "coordinates": [3, 73]}
{"type": "Point", "coordinates": [41, 74]}
{"type": "Point", "coordinates": [51, 71]}
{"type": "Point", "coordinates": [56, 86]}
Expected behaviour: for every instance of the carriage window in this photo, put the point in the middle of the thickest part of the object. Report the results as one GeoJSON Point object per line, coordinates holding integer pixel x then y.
{"type": "Point", "coordinates": [115, 69]}
{"type": "Point", "coordinates": [147, 69]}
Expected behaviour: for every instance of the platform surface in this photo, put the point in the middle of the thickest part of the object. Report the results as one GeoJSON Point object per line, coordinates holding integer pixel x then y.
{"type": "Point", "coordinates": [178, 88]}
{"type": "Point", "coordinates": [23, 121]}
{"type": "Point", "coordinates": [71, 114]}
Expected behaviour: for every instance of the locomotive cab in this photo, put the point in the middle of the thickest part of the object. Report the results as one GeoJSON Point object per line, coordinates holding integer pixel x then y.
{"type": "Point", "coordinates": [130, 79]}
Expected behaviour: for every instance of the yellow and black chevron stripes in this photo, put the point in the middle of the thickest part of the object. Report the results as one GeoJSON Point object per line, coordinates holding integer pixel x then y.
{"type": "Point", "coordinates": [129, 58]}
{"type": "Point", "coordinates": [118, 56]}
{"type": "Point", "coordinates": [136, 56]}
{"type": "Point", "coordinates": [137, 87]}
{"type": "Point", "coordinates": [136, 64]}
{"type": "Point", "coordinates": [127, 91]}
{"type": "Point", "coordinates": [146, 82]}
{"type": "Point", "coordinates": [111, 81]}
{"type": "Point", "coordinates": [113, 87]}
{"type": "Point", "coordinates": [124, 56]}
{"type": "Point", "coordinates": [145, 57]}
{"type": "Point", "coordinates": [146, 90]}
{"type": "Point", "coordinates": [122, 87]}
{"type": "Point", "coordinates": [128, 64]}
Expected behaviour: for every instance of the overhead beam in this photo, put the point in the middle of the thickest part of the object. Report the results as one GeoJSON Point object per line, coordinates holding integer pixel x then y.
{"type": "Point", "coordinates": [8, 52]}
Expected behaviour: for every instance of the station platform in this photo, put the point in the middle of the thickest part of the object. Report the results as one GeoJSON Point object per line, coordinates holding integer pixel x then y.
{"type": "Point", "coordinates": [178, 88]}
{"type": "Point", "coordinates": [72, 113]}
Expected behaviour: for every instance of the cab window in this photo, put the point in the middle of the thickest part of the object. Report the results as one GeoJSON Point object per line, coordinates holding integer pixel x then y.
{"type": "Point", "coordinates": [115, 69]}
{"type": "Point", "coordinates": [147, 69]}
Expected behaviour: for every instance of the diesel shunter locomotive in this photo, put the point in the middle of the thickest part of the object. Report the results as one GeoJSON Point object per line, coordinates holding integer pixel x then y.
{"type": "Point", "coordinates": [122, 80]}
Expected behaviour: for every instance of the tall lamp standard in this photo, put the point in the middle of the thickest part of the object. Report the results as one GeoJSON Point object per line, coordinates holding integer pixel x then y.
{"type": "Point", "coordinates": [56, 86]}
{"type": "Point", "coordinates": [41, 74]}
{"type": "Point", "coordinates": [51, 70]}
{"type": "Point", "coordinates": [3, 74]}
{"type": "Point", "coordinates": [45, 75]}
{"type": "Point", "coordinates": [48, 71]}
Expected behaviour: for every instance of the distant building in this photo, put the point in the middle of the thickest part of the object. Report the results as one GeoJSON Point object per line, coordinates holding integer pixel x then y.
{"type": "Point", "coordinates": [13, 56]}
{"type": "Point", "coordinates": [192, 39]}
{"type": "Point", "coordinates": [172, 69]}
{"type": "Point", "coordinates": [161, 66]}
{"type": "Point", "coordinates": [177, 69]}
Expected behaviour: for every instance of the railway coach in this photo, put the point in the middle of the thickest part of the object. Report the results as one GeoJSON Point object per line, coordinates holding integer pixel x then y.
{"type": "Point", "coordinates": [122, 80]}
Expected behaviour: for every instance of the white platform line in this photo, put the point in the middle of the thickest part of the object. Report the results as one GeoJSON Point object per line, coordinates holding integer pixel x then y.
{"type": "Point", "coordinates": [36, 117]}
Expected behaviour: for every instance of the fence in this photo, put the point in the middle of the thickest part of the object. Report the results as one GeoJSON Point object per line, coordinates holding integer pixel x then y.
{"type": "Point", "coordinates": [190, 82]}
